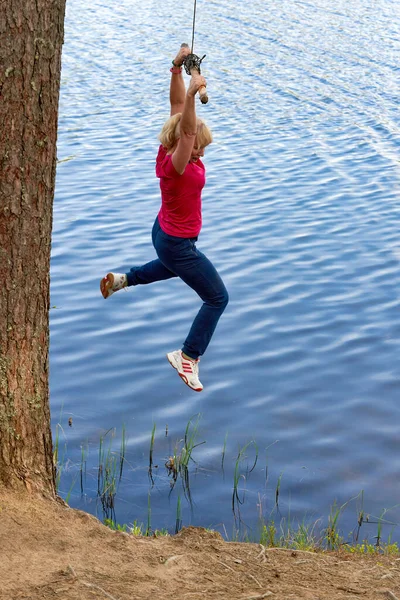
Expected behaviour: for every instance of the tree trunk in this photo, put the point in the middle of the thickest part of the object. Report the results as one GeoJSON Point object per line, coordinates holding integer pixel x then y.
{"type": "Point", "coordinates": [31, 37]}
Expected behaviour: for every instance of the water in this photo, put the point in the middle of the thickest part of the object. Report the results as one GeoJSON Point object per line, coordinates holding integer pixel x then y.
{"type": "Point", "coordinates": [301, 212]}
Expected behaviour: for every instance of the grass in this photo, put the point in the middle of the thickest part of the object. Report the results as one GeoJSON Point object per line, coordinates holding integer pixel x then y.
{"type": "Point", "coordinates": [273, 530]}
{"type": "Point", "coordinates": [302, 536]}
{"type": "Point", "coordinates": [308, 537]}
{"type": "Point", "coordinates": [136, 529]}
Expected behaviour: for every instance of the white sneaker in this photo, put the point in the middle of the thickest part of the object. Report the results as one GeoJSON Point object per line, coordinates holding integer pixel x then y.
{"type": "Point", "coordinates": [188, 370]}
{"type": "Point", "coordinates": [112, 282]}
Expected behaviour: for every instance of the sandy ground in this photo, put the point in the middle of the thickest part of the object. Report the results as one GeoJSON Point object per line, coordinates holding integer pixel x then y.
{"type": "Point", "coordinates": [50, 551]}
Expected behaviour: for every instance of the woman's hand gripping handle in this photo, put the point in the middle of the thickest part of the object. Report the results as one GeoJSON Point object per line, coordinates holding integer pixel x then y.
{"type": "Point", "coordinates": [202, 89]}
{"type": "Point", "coordinates": [192, 67]}
{"type": "Point", "coordinates": [198, 84]}
{"type": "Point", "coordinates": [183, 52]}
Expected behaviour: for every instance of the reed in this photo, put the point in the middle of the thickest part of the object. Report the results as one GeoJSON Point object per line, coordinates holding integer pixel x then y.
{"type": "Point", "coordinates": [82, 470]}
{"type": "Point", "coordinates": [276, 530]}
{"type": "Point", "coordinates": [224, 452]}
{"type": "Point", "coordinates": [68, 496]}
{"type": "Point", "coordinates": [56, 456]}
{"type": "Point", "coordinates": [333, 538]}
{"type": "Point", "coordinates": [59, 461]}
{"type": "Point", "coordinates": [189, 440]}
{"type": "Point", "coordinates": [278, 490]}
{"type": "Point", "coordinates": [122, 451]}
{"type": "Point", "coordinates": [380, 522]}
{"type": "Point", "coordinates": [178, 521]}
{"type": "Point", "coordinates": [178, 464]}
{"type": "Point", "coordinates": [238, 475]}
{"type": "Point", "coordinates": [148, 528]}
{"type": "Point", "coordinates": [360, 517]}
{"type": "Point", "coordinates": [109, 472]}
{"type": "Point", "coordinates": [150, 470]}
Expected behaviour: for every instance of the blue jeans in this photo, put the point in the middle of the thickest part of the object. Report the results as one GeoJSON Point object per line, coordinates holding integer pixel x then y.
{"type": "Point", "coordinates": [179, 257]}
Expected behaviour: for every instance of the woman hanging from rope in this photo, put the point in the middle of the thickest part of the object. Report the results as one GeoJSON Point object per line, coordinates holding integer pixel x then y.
{"type": "Point", "coordinates": [177, 226]}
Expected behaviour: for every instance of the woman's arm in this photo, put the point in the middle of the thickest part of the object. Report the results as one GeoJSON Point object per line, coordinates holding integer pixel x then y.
{"type": "Point", "coordinates": [177, 90]}
{"type": "Point", "coordinates": [188, 125]}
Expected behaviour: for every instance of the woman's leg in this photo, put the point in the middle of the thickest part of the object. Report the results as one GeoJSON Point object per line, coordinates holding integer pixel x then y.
{"type": "Point", "coordinates": [152, 271]}
{"type": "Point", "coordinates": [149, 273]}
{"type": "Point", "coordinates": [206, 281]}
{"type": "Point", "coordinates": [182, 257]}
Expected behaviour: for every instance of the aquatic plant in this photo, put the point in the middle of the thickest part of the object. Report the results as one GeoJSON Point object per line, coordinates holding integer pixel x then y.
{"type": "Point", "coordinates": [274, 529]}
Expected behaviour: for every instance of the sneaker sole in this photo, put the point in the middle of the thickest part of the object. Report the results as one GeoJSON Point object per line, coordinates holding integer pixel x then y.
{"type": "Point", "coordinates": [182, 376]}
{"type": "Point", "coordinates": [106, 285]}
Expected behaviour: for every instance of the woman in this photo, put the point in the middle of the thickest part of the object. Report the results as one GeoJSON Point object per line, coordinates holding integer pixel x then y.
{"type": "Point", "coordinates": [177, 226]}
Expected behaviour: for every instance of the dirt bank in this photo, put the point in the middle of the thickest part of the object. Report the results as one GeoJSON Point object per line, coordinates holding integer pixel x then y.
{"type": "Point", "coordinates": [49, 551]}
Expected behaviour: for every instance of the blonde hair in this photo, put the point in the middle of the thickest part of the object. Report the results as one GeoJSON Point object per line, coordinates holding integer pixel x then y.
{"type": "Point", "coordinates": [170, 133]}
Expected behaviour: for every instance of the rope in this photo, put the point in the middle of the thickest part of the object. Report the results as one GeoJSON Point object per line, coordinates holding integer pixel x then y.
{"type": "Point", "coordinates": [194, 21]}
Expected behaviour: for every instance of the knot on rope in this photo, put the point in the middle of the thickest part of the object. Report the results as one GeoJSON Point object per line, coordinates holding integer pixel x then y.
{"type": "Point", "coordinates": [192, 61]}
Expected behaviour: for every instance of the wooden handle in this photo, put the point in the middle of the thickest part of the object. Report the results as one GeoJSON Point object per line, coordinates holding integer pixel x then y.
{"type": "Point", "coordinates": [202, 91]}
{"type": "Point", "coordinates": [203, 95]}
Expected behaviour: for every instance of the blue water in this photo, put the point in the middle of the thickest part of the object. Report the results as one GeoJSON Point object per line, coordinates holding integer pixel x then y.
{"type": "Point", "coordinates": [301, 217]}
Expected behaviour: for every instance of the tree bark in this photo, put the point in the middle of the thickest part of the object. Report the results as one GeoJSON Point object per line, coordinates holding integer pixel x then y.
{"type": "Point", "coordinates": [31, 37]}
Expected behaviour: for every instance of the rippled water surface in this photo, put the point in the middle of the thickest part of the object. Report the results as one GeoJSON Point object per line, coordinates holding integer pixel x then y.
{"type": "Point", "coordinates": [301, 217]}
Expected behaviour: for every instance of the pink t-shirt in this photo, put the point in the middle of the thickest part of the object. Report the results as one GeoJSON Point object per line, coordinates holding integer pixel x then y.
{"type": "Point", "coordinates": [180, 212]}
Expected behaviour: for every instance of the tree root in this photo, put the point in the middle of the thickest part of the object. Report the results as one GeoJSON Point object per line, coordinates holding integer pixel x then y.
{"type": "Point", "coordinates": [262, 553]}
{"type": "Point", "coordinates": [389, 595]}
{"type": "Point", "coordinates": [97, 587]}
{"type": "Point", "coordinates": [71, 571]}
{"type": "Point", "coordinates": [254, 579]}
